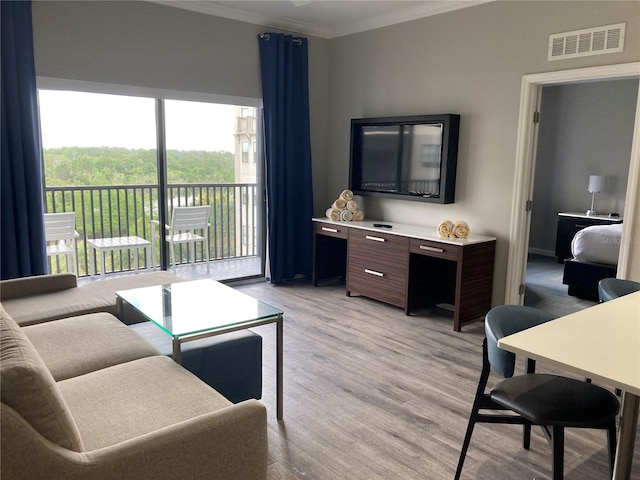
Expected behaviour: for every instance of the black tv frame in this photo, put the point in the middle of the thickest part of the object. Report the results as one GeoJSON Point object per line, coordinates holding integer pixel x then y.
{"type": "Point", "coordinates": [449, 159]}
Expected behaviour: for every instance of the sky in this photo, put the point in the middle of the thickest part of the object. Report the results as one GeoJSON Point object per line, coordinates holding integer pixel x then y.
{"type": "Point", "coordinates": [78, 119]}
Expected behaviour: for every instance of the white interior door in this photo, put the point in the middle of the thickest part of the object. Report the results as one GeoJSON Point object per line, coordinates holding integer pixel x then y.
{"type": "Point", "coordinates": [629, 259]}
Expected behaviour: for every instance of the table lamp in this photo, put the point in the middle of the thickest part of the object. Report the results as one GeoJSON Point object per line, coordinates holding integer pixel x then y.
{"type": "Point", "coordinates": [595, 186]}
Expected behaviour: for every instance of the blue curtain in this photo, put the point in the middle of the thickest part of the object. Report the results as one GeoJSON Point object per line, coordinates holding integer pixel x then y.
{"type": "Point", "coordinates": [285, 92]}
{"type": "Point", "coordinates": [22, 249]}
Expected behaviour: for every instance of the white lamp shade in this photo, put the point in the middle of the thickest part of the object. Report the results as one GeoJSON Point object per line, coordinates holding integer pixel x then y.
{"type": "Point", "coordinates": [595, 184]}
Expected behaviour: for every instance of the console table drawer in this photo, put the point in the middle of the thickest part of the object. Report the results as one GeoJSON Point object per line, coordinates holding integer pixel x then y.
{"type": "Point", "coordinates": [363, 259]}
{"type": "Point", "coordinates": [434, 249]}
{"type": "Point", "coordinates": [331, 230]}
{"type": "Point", "coordinates": [386, 283]}
{"type": "Point", "coordinates": [378, 246]}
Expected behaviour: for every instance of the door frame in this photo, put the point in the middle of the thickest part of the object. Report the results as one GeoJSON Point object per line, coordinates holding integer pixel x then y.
{"type": "Point", "coordinates": [530, 94]}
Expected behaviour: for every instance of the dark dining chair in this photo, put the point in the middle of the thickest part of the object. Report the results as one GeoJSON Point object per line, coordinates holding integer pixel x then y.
{"type": "Point", "coordinates": [612, 288]}
{"type": "Point", "coordinates": [550, 401]}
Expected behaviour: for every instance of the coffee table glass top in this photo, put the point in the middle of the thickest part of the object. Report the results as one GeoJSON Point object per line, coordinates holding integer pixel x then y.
{"type": "Point", "coordinates": [187, 308]}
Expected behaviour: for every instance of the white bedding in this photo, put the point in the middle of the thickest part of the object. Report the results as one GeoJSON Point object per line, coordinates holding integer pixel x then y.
{"type": "Point", "coordinates": [597, 244]}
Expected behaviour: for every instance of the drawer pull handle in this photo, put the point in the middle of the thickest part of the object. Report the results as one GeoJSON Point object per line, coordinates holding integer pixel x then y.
{"type": "Point", "coordinates": [377, 239]}
{"type": "Point", "coordinates": [332, 230]}
{"type": "Point", "coordinates": [373, 272]}
{"type": "Point", "coordinates": [431, 249]}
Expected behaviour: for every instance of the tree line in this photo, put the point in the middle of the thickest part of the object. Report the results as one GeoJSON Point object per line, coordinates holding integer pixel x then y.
{"type": "Point", "coordinates": [79, 166]}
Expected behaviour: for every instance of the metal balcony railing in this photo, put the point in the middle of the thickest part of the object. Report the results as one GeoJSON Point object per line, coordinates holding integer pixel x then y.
{"type": "Point", "coordinates": [127, 210]}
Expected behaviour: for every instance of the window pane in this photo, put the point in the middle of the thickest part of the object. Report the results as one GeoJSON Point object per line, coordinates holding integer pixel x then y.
{"type": "Point", "coordinates": [97, 139]}
{"type": "Point", "coordinates": [245, 151]}
{"type": "Point", "coordinates": [210, 162]}
{"type": "Point", "coordinates": [100, 161]}
{"type": "Point", "coordinates": [200, 142]}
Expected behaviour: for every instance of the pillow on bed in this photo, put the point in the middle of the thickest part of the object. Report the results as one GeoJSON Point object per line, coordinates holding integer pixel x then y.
{"type": "Point", "coordinates": [597, 244]}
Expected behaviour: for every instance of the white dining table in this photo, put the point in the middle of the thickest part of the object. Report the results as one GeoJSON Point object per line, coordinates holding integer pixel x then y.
{"type": "Point", "coordinates": [602, 343]}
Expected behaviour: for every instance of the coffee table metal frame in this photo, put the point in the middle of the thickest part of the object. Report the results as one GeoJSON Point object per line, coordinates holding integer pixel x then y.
{"type": "Point", "coordinates": [178, 340]}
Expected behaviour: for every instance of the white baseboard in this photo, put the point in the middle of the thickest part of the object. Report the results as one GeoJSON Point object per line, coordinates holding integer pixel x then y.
{"type": "Point", "coordinates": [540, 251]}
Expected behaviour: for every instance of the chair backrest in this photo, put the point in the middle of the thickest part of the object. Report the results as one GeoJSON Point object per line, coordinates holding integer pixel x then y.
{"type": "Point", "coordinates": [59, 226]}
{"type": "Point", "coordinates": [612, 288]}
{"type": "Point", "coordinates": [190, 218]}
{"type": "Point", "coordinates": [505, 320]}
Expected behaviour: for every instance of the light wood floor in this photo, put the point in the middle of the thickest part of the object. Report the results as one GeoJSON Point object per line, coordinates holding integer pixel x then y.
{"type": "Point", "coordinates": [370, 393]}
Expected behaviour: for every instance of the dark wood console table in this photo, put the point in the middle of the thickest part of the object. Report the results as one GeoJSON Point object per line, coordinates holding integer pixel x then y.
{"type": "Point", "coordinates": [407, 266]}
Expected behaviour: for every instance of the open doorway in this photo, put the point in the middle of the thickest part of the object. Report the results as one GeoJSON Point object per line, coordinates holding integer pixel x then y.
{"type": "Point", "coordinates": [585, 130]}
{"type": "Point", "coordinates": [524, 175]}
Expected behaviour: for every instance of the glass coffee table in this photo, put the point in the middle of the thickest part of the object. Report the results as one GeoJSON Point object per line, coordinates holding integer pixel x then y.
{"type": "Point", "coordinates": [196, 309]}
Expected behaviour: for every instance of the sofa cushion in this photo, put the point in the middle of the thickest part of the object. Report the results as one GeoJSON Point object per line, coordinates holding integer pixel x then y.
{"type": "Point", "coordinates": [91, 297]}
{"type": "Point", "coordinates": [77, 345]}
{"type": "Point", "coordinates": [136, 398]}
{"type": "Point", "coordinates": [27, 386]}
{"type": "Point", "coordinates": [35, 285]}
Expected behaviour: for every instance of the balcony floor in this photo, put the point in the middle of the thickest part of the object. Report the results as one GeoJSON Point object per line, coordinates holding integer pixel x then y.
{"type": "Point", "coordinates": [232, 270]}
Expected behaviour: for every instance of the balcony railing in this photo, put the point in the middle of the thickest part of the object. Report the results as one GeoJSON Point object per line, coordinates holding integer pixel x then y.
{"type": "Point", "coordinates": [127, 210]}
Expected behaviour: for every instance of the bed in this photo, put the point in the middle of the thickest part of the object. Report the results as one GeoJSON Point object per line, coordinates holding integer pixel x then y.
{"type": "Point", "coordinates": [594, 252]}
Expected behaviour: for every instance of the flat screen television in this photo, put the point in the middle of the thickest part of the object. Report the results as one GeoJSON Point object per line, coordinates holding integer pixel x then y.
{"type": "Point", "coordinates": [410, 158]}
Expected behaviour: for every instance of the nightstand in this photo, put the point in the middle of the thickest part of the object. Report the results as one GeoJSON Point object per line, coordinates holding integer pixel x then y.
{"type": "Point", "coordinates": [569, 223]}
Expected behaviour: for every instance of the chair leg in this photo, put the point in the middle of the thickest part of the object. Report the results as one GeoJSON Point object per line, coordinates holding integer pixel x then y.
{"type": "Point", "coordinates": [558, 453]}
{"type": "Point", "coordinates": [69, 263]}
{"type": "Point", "coordinates": [207, 250]}
{"type": "Point", "coordinates": [192, 248]}
{"type": "Point", "coordinates": [612, 440]}
{"type": "Point", "coordinates": [465, 444]}
{"type": "Point", "coordinates": [526, 437]}
{"type": "Point", "coordinates": [475, 409]}
{"type": "Point", "coordinates": [173, 257]}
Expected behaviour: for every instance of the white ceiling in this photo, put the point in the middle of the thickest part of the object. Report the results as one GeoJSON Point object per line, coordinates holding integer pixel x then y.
{"type": "Point", "coordinates": [323, 18]}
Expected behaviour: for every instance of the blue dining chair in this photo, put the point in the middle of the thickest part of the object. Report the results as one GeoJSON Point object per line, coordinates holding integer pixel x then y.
{"type": "Point", "coordinates": [612, 288]}
{"type": "Point", "coordinates": [550, 401]}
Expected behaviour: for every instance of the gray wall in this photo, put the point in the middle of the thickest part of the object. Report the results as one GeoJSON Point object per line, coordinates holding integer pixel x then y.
{"type": "Point", "coordinates": [469, 62]}
{"type": "Point", "coordinates": [585, 129]}
{"type": "Point", "coordinates": [154, 47]}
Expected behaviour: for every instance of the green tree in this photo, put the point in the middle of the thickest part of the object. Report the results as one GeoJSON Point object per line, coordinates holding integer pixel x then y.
{"type": "Point", "coordinates": [91, 166]}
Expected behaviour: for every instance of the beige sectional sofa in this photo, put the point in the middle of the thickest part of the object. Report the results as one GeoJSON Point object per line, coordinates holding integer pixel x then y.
{"type": "Point", "coordinates": [85, 397]}
{"type": "Point", "coordinates": [43, 298]}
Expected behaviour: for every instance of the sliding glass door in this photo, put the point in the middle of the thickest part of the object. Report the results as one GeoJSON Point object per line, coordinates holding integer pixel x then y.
{"type": "Point", "coordinates": [211, 160]}
{"type": "Point", "coordinates": [105, 159]}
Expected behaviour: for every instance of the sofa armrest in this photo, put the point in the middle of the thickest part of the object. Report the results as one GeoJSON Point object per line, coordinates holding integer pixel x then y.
{"type": "Point", "coordinates": [39, 284]}
{"type": "Point", "coordinates": [228, 443]}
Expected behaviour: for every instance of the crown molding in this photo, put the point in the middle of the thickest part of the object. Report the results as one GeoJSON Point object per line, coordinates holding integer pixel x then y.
{"type": "Point", "coordinates": [420, 10]}
{"type": "Point", "coordinates": [233, 13]}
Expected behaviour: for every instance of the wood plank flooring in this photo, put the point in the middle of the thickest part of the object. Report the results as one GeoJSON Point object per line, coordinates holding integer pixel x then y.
{"type": "Point", "coordinates": [370, 393]}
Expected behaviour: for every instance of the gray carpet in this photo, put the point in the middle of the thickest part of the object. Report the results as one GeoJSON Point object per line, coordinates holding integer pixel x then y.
{"type": "Point", "coordinates": [544, 288]}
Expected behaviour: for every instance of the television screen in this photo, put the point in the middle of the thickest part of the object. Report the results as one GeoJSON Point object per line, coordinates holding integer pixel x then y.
{"type": "Point", "coordinates": [414, 157]}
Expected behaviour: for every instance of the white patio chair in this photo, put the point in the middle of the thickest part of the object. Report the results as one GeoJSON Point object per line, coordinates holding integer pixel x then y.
{"type": "Point", "coordinates": [185, 222]}
{"type": "Point", "coordinates": [60, 234]}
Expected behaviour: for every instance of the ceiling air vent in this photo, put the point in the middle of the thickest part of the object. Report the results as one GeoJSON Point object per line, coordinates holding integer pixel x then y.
{"type": "Point", "coordinates": [590, 41]}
